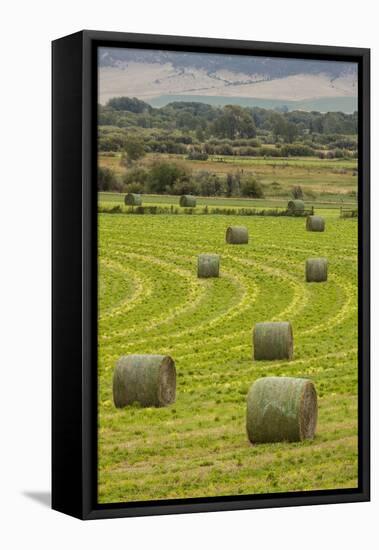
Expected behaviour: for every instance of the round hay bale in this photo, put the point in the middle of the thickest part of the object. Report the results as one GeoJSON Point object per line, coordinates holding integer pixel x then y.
{"type": "Point", "coordinates": [316, 270]}
{"type": "Point", "coordinates": [133, 199]}
{"type": "Point", "coordinates": [315, 223]}
{"type": "Point", "coordinates": [237, 234]}
{"type": "Point", "coordinates": [296, 206]}
{"type": "Point", "coordinates": [208, 265]}
{"type": "Point", "coordinates": [187, 201]}
{"type": "Point", "coordinates": [273, 341]}
{"type": "Point", "coordinates": [281, 409]}
{"type": "Point", "coordinates": [149, 380]}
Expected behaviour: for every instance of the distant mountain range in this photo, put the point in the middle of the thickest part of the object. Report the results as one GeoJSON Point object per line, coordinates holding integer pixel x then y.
{"type": "Point", "coordinates": [155, 75]}
{"type": "Point", "coordinates": [270, 67]}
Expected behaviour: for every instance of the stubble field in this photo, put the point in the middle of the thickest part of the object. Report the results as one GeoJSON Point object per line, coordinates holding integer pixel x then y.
{"type": "Point", "coordinates": [151, 301]}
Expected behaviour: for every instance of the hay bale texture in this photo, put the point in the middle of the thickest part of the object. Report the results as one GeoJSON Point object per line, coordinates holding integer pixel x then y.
{"type": "Point", "coordinates": [315, 223]}
{"type": "Point", "coordinates": [208, 265]}
{"type": "Point", "coordinates": [296, 206]}
{"type": "Point", "coordinates": [149, 380]}
{"type": "Point", "coordinates": [281, 409]}
{"type": "Point", "coordinates": [187, 201]}
{"type": "Point", "coordinates": [237, 234]}
{"type": "Point", "coordinates": [273, 341]}
{"type": "Point", "coordinates": [133, 199]}
{"type": "Point", "coordinates": [316, 270]}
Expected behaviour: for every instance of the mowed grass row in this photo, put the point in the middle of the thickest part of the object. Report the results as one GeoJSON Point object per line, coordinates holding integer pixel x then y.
{"type": "Point", "coordinates": [330, 208]}
{"type": "Point", "coordinates": [151, 301]}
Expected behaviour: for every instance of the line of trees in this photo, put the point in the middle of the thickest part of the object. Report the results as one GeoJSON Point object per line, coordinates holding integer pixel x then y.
{"type": "Point", "coordinates": [177, 179]}
{"type": "Point", "coordinates": [231, 121]}
{"type": "Point", "coordinates": [135, 146]}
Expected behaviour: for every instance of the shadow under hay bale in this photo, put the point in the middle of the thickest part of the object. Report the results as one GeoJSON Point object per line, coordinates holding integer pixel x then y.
{"type": "Point", "coordinates": [281, 409]}
{"type": "Point", "coordinates": [187, 201]}
{"type": "Point", "coordinates": [133, 199]}
{"type": "Point", "coordinates": [296, 206]}
{"type": "Point", "coordinates": [315, 223]}
{"type": "Point", "coordinates": [208, 265]}
{"type": "Point", "coordinates": [316, 270]}
{"type": "Point", "coordinates": [272, 341]}
{"type": "Point", "coordinates": [149, 380]}
{"type": "Point", "coordinates": [237, 235]}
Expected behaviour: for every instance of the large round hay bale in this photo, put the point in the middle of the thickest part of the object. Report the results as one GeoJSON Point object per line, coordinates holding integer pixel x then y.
{"type": "Point", "coordinates": [273, 341]}
{"type": "Point", "coordinates": [237, 234]}
{"type": "Point", "coordinates": [187, 201]}
{"type": "Point", "coordinates": [296, 206]}
{"type": "Point", "coordinates": [316, 270]}
{"type": "Point", "coordinates": [149, 380]}
{"type": "Point", "coordinates": [208, 265]}
{"type": "Point", "coordinates": [133, 199]}
{"type": "Point", "coordinates": [315, 223]}
{"type": "Point", "coordinates": [281, 409]}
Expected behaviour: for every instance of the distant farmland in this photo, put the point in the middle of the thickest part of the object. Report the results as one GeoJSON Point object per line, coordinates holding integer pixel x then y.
{"type": "Point", "coordinates": [331, 180]}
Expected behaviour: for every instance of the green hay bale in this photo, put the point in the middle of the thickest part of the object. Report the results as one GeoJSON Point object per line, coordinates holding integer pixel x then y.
{"type": "Point", "coordinates": [316, 270]}
{"type": "Point", "coordinates": [273, 341]}
{"type": "Point", "coordinates": [281, 409]}
{"type": "Point", "coordinates": [187, 201]}
{"type": "Point", "coordinates": [315, 223]}
{"type": "Point", "coordinates": [149, 380]}
{"type": "Point", "coordinates": [237, 235]}
{"type": "Point", "coordinates": [133, 199]}
{"type": "Point", "coordinates": [208, 265]}
{"type": "Point", "coordinates": [296, 206]}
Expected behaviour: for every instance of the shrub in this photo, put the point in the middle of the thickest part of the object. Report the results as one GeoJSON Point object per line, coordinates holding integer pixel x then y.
{"type": "Point", "coordinates": [339, 153]}
{"type": "Point", "coordinates": [269, 152]}
{"type": "Point", "coordinates": [297, 192]}
{"type": "Point", "coordinates": [134, 187]}
{"type": "Point", "coordinates": [224, 150]}
{"type": "Point", "coordinates": [107, 180]}
{"type": "Point", "coordinates": [247, 152]}
{"type": "Point", "coordinates": [136, 174]}
{"type": "Point", "coordinates": [134, 150]}
{"type": "Point", "coordinates": [296, 150]}
{"type": "Point", "coordinates": [250, 187]}
{"type": "Point", "coordinates": [164, 175]}
{"type": "Point", "coordinates": [184, 187]}
{"type": "Point", "coordinates": [208, 184]}
{"type": "Point", "coordinates": [209, 148]}
{"type": "Point", "coordinates": [197, 155]}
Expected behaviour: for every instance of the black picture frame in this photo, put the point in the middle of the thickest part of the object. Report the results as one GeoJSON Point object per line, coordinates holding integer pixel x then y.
{"type": "Point", "coordinates": [74, 273]}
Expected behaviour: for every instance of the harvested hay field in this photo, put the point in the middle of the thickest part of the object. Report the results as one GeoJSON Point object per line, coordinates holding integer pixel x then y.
{"type": "Point", "coordinates": [152, 302]}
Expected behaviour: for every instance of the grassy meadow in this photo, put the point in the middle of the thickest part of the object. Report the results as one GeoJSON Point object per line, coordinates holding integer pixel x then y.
{"type": "Point", "coordinates": [234, 159]}
{"type": "Point", "coordinates": [327, 180]}
{"type": "Point", "coordinates": [151, 301]}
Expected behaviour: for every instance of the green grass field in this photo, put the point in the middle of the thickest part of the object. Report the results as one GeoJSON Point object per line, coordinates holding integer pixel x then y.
{"type": "Point", "coordinates": [325, 208]}
{"type": "Point", "coordinates": [151, 301]}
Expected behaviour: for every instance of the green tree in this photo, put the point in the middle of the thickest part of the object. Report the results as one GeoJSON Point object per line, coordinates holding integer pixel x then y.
{"type": "Point", "coordinates": [233, 184]}
{"type": "Point", "coordinates": [164, 175]}
{"type": "Point", "coordinates": [106, 180]}
{"type": "Point", "coordinates": [131, 104]}
{"type": "Point", "coordinates": [134, 150]}
{"type": "Point", "coordinates": [234, 122]}
{"type": "Point", "coordinates": [282, 128]}
{"type": "Point", "coordinates": [251, 187]}
{"type": "Point", "coordinates": [290, 132]}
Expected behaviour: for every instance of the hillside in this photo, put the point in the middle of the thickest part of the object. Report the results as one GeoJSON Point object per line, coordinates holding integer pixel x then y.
{"type": "Point", "coordinates": [157, 76]}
